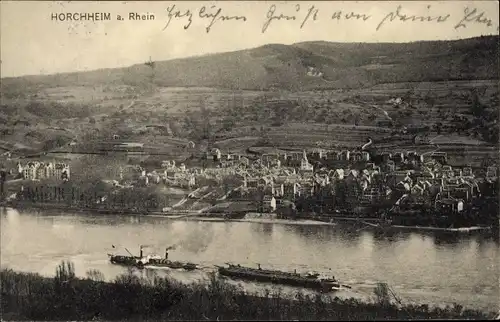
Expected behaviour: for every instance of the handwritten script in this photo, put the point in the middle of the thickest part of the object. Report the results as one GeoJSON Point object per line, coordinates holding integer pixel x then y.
{"type": "Point", "coordinates": [211, 14]}
{"type": "Point", "coordinates": [300, 16]}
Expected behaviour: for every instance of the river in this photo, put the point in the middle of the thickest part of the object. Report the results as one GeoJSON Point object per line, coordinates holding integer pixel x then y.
{"type": "Point", "coordinates": [420, 268]}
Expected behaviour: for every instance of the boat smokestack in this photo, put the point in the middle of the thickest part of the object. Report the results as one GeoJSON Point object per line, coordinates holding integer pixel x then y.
{"type": "Point", "coordinates": [166, 253]}
{"type": "Point", "coordinates": [140, 252]}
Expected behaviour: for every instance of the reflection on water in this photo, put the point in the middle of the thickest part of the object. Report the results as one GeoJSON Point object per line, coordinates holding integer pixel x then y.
{"type": "Point", "coordinates": [420, 267]}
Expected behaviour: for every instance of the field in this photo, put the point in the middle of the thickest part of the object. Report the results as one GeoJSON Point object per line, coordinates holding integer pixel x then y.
{"type": "Point", "coordinates": [166, 120]}
{"type": "Point", "coordinates": [419, 96]}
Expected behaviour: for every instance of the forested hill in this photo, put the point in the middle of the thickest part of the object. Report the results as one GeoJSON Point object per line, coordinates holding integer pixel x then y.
{"type": "Point", "coordinates": [301, 66]}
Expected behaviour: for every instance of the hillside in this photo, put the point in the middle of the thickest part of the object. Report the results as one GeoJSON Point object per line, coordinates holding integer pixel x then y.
{"type": "Point", "coordinates": [336, 65]}
{"type": "Point", "coordinates": [288, 96]}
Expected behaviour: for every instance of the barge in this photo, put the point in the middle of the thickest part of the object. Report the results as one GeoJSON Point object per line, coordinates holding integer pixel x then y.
{"type": "Point", "coordinates": [309, 280]}
{"type": "Point", "coordinates": [150, 261]}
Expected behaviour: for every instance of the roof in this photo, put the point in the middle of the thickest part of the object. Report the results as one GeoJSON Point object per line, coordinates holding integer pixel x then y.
{"type": "Point", "coordinates": [437, 154]}
{"type": "Point", "coordinates": [449, 201]}
{"type": "Point", "coordinates": [404, 184]}
{"type": "Point", "coordinates": [354, 173]}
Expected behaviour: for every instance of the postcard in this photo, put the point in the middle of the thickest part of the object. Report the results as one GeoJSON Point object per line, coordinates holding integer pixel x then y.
{"type": "Point", "coordinates": [249, 160]}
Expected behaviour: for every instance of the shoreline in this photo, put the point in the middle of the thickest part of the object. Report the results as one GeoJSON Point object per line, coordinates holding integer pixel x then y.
{"type": "Point", "coordinates": [369, 223]}
{"type": "Point", "coordinates": [30, 296]}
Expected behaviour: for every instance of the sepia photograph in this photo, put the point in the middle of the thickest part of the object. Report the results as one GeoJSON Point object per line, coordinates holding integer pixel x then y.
{"type": "Point", "coordinates": [249, 160]}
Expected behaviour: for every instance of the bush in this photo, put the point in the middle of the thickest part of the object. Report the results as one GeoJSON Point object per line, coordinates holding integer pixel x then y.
{"type": "Point", "coordinates": [32, 297]}
{"type": "Point", "coordinates": [381, 292]}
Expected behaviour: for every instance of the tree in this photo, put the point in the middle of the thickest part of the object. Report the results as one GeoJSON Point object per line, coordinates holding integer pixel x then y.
{"type": "Point", "coordinates": [228, 124]}
{"type": "Point", "coordinates": [438, 127]}
{"type": "Point", "coordinates": [476, 107]}
{"type": "Point", "coordinates": [54, 143]}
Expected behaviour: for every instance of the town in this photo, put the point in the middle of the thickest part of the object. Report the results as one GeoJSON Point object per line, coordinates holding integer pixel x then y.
{"type": "Point", "coordinates": [407, 187]}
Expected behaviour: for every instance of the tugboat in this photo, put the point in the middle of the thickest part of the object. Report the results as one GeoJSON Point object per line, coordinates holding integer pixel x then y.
{"type": "Point", "coordinates": [309, 280]}
{"type": "Point", "coordinates": [150, 261]}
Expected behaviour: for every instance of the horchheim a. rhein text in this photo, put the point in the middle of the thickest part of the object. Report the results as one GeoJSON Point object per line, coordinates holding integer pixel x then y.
{"type": "Point", "coordinates": [98, 16]}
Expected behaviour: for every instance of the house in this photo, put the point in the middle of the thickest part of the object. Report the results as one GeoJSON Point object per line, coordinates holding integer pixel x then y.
{"type": "Point", "coordinates": [291, 189]}
{"type": "Point", "coordinates": [226, 164]}
{"type": "Point", "coordinates": [170, 174]}
{"type": "Point", "coordinates": [332, 156]}
{"type": "Point", "coordinates": [491, 172]}
{"type": "Point", "coordinates": [467, 172]}
{"type": "Point", "coordinates": [389, 166]}
{"type": "Point", "coordinates": [269, 203]}
{"type": "Point", "coordinates": [446, 168]}
{"type": "Point", "coordinates": [191, 180]}
{"type": "Point", "coordinates": [372, 195]}
{"type": "Point", "coordinates": [305, 189]}
{"type": "Point", "coordinates": [471, 186]}
{"type": "Point", "coordinates": [449, 205]}
{"type": "Point", "coordinates": [40, 171]}
{"type": "Point", "coordinates": [154, 177]}
{"type": "Point", "coordinates": [354, 174]}
{"type": "Point", "coordinates": [29, 171]}
{"type": "Point", "coordinates": [352, 190]}
{"type": "Point", "coordinates": [386, 156]}
{"type": "Point", "coordinates": [447, 172]}
{"type": "Point", "coordinates": [280, 179]}
{"type": "Point", "coordinates": [244, 160]}
{"type": "Point", "coordinates": [318, 154]}
{"type": "Point", "coordinates": [398, 157]}
{"type": "Point", "coordinates": [338, 174]}
{"type": "Point", "coordinates": [364, 184]}
{"type": "Point", "coordinates": [418, 189]}
{"type": "Point", "coordinates": [370, 166]}
{"type": "Point", "coordinates": [295, 156]}
{"type": "Point", "coordinates": [143, 181]}
{"type": "Point", "coordinates": [129, 172]}
{"type": "Point", "coordinates": [460, 193]}
{"type": "Point", "coordinates": [269, 158]}
{"type": "Point", "coordinates": [414, 157]}
{"type": "Point", "coordinates": [167, 164]}
{"type": "Point", "coordinates": [265, 181]}
{"type": "Point", "coordinates": [49, 170]}
{"type": "Point", "coordinates": [344, 155]}
{"type": "Point", "coordinates": [62, 171]}
{"type": "Point", "coordinates": [216, 155]}
{"type": "Point", "coordinates": [403, 186]}
{"type": "Point", "coordinates": [252, 183]}
{"type": "Point", "coordinates": [395, 101]}
{"type": "Point", "coordinates": [277, 164]}
{"type": "Point", "coordinates": [20, 168]}
{"type": "Point", "coordinates": [440, 157]}
{"type": "Point", "coordinates": [278, 190]}
{"type": "Point", "coordinates": [311, 71]}
{"type": "Point", "coordinates": [356, 156]}
{"type": "Point", "coordinates": [304, 163]}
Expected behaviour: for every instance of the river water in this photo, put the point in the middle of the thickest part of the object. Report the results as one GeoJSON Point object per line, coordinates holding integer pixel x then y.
{"type": "Point", "coordinates": [420, 268]}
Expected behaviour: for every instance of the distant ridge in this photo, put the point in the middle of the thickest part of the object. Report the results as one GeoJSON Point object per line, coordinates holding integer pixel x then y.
{"type": "Point", "coordinates": [300, 66]}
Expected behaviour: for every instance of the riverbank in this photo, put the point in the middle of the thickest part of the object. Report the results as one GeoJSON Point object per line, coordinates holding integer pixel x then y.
{"type": "Point", "coordinates": [366, 223]}
{"type": "Point", "coordinates": [28, 296]}
{"type": "Point", "coordinates": [178, 215]}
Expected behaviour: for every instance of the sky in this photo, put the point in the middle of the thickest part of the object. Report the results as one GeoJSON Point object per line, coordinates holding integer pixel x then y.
{"type": "Point", "coordinates": [32, 43]}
